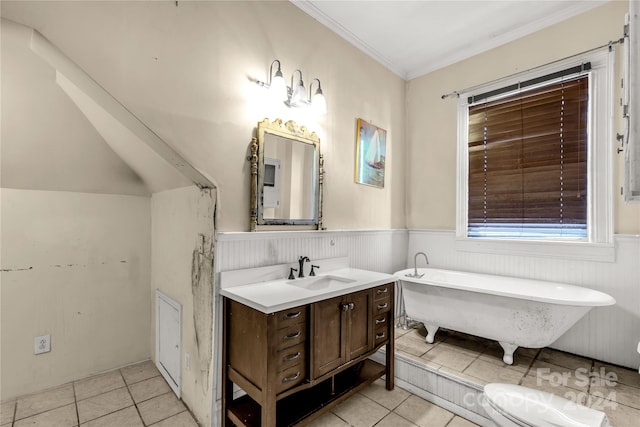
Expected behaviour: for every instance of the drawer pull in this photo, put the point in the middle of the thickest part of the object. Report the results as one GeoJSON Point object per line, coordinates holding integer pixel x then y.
{"type": "Point", "coordinates": [381, 321]}
{"type": "Point", "coordinates": [380, 335]}
{"type": "Point", "coordinates": [382, 291]}
{"type": "Point", "coordinates": [292, 336]}
{"type": "Point", "coordinates": [291, 315]}
{"type": "Point", "coordinates": [291, 357]}
{"type": "Point", "coordinates": [291, 377]}
{"type": "Point", "coordinates": [381, 306]}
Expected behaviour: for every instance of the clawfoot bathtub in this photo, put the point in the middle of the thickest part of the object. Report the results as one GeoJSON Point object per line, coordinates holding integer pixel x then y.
{"type": "Point", "coordinates": [515, 312]}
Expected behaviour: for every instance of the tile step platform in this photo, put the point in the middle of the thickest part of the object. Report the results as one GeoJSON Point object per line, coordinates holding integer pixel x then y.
{"type": "Point", "coordinates": [445, 389]}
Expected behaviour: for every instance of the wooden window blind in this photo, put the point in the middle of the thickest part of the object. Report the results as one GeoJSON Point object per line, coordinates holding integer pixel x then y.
{"type": "Point", "coordinates": [528, 163]}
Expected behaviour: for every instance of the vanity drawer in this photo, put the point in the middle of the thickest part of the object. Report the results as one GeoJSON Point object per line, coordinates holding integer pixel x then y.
{"type": "Point", "coordinates": [383, 291]}
{"type": "Point", "coordinates": [380, 321]}
{"type": "Point", "coordinates": [288, 337]}
{"type": "Point", "coordinates": [293, 316]}
{"type": "Point", "coordinates": [381, 335]}
{"type": "Point", "coordinates": [290, 377]}
{"type": "Point", "coordinates": [381, 306]}
{"type": "Point", "coordinates": [291, 356]}
{"type": "Point", "coordinates": [380, 327]}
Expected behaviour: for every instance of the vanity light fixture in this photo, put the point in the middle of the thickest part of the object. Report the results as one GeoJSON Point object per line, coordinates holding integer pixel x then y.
{"type": "Point", "coordinates": [294, 95]}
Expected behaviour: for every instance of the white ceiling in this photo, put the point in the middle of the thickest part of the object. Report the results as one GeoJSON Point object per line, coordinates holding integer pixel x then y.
{"type": "Point", "coordinates": [413, 38]}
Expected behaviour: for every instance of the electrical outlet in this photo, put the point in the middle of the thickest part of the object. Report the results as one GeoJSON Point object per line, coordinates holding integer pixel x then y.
{"type": "Point", "coordinates": [187, 361]}
{"type": "Point", "coordinates": [42, 344]}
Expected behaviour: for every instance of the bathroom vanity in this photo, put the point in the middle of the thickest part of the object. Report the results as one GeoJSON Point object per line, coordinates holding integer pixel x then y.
{"type": "Point", "coordinates": [297, 348]}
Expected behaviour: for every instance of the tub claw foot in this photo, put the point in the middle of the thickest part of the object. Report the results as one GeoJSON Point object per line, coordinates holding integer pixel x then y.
{"type": "Point", "coordinates": [431, 332]}
{"type": "Point", "coordinates": [509, 349]}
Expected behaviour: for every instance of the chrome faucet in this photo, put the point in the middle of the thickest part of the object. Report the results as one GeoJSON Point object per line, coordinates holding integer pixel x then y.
{"type": "Point", "coordinates": [415, 265]}
{"type": "Point", "coordinates": [407, 321]}
{"type": "Point", "coordinates": [301, 261]}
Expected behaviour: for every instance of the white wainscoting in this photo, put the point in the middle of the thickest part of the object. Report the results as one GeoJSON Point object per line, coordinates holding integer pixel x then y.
{"type": "Point", "coordinates": [609, 334]}
{"type": "Point", "coordinates": [377, 250]}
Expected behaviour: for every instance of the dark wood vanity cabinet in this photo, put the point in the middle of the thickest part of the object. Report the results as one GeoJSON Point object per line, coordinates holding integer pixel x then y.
{"type": "Point", "coordinates": [341, 329]}
{"type": "Point", "coordinates": [296, 364]}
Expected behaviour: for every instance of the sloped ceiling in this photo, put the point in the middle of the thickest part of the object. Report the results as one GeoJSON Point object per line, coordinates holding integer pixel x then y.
{"type": "Point", "coordinates": [47, 143]}
{"type": "Point", "coordinates": [154, 163]}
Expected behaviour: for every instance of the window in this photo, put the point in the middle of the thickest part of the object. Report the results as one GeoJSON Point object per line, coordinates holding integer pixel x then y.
{"type": "Point", "coordinates": [533, 159]}
{"type": "Point", "coordinates": [528, 163]}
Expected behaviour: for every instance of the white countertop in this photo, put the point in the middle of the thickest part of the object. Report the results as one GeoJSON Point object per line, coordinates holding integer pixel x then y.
{"type": "Point", "coordinates": [275, 295]}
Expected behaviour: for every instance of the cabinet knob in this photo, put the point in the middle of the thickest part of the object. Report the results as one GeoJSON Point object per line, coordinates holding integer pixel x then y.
{"type": "Point", "coordinates": [381, 321]}
{"type": "Point", "coordinates": [382, 291]}
{"type": "Point", "coordinates": [351, 306]}
{"type": "Point", "coordinates": [381, 306]}
{"type": "Point", "coordinates": [380, 336]}
{"type": "Point", "coordinates": [345, 307]}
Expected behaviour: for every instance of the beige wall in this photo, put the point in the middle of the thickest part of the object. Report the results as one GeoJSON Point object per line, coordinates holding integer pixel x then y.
{"type": "Point", "coordinates": [75, 266]}
{"type": "Point", "coordinates": [431, 131]}
{"type": "Point", "coordinates": [182, 222]}
{"type": "Point", "coordinates": [187, 72]}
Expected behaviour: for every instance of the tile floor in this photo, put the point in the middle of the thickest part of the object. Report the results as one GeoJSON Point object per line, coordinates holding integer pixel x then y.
{"type": "Point", "coordinates": [599, 385]}
{"type": "Point", "coordinates": [375, 406]}
{"type": "Point", "coordinates": [134, 396]}
{"type": "Point", "coordinates": [138, 396]}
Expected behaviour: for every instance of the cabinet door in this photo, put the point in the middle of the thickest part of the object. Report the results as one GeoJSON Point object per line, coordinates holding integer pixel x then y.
{"type": "Point", "coordinates": [328, 340]}
{"type": "Point", "coordinates": [360, 331]}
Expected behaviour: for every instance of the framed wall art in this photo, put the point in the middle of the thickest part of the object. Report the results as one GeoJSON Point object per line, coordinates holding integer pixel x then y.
{"type": "Point", "coordinates": [371, 144]}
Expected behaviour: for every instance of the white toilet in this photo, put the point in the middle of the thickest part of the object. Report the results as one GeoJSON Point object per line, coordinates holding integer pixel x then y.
{"type": "Point", "coordinates": [516, 406]}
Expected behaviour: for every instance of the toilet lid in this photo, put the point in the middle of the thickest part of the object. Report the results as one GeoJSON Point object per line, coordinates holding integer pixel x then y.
{"type": "Point", "coordinates": [539, 408]}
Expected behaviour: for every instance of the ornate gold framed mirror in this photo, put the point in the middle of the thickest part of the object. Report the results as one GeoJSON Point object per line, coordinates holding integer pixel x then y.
{"type": "Point", "coordinates": [286, 177]}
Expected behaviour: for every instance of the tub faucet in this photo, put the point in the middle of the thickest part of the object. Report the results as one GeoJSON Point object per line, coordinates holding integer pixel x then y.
{"type": "Point", "coordinates": [301, 261]}
{"type": "Point", "coordinates": [415, 265]}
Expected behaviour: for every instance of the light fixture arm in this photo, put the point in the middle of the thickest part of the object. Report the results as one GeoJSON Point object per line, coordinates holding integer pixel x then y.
{"type": "Point", "coordinates": [278, 71]}
{"type": "Point", "coordinates": [318, 91]}
{"type": "Point", "coordinates": [292, 88]}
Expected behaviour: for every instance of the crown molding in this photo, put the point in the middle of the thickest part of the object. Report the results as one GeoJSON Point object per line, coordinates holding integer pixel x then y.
{"type": "Point", "coordinates": [461, 54]}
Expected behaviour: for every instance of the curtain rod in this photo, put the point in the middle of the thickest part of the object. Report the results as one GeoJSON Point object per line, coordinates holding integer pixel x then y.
{"type": "Point", "coordinates": [457, 93]}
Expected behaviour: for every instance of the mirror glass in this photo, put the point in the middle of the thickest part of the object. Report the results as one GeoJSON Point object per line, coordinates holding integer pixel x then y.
{"type": "Point", "coordinates": [289, 181]}
{"type": "Point", "coordinates": [288, 167]}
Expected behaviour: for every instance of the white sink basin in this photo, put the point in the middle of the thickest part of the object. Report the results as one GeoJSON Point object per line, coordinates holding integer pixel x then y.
{"type": "Point", "coordinates": [320, 282]}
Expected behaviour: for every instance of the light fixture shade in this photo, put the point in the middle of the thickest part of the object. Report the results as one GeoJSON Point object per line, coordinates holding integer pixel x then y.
{"type": "Point", "coordinates": [278, 88]}
{"type": "Point", "coordinates": [319, 103]}
{"type": "Point", "coordinates": [299, 96]}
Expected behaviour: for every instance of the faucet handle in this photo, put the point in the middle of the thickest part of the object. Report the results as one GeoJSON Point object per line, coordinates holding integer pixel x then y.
{"type": "Point", "coordinates": [291, 275]}
{"type": "Point", "coordinates": [313, 273]}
